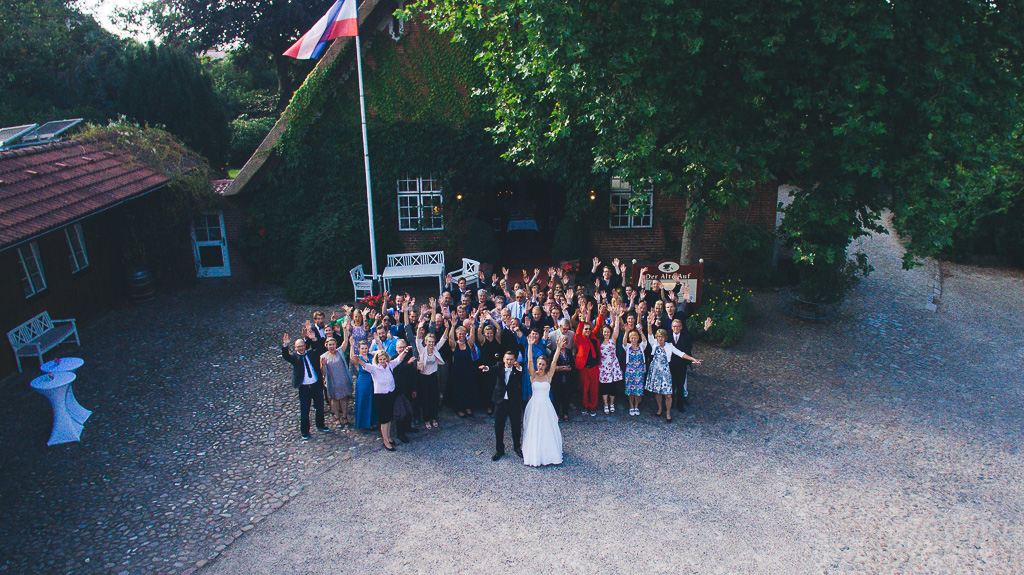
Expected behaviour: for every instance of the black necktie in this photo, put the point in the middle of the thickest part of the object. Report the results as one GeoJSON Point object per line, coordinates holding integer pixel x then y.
{"type": "Point", "coordinates": [305, 364]}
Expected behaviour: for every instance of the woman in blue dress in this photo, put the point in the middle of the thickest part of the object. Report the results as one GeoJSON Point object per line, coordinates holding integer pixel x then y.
{"type": "Point", "coordinates": [366, 415]}
{"type": "Point", "coordinates": [659, 377]}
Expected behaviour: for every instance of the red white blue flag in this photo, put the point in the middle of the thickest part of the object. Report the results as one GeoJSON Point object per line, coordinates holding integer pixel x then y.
{"type": "Point", "coordinates": [340, 20]}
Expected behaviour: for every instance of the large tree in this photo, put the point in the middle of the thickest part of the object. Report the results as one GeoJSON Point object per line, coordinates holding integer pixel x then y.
{"type": "Point", "coordinates": [270, 25]}
{"type": "Point", "coordinates": [847, 100]}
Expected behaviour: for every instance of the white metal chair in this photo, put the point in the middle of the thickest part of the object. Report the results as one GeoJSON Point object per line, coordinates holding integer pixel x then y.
{"type": "Point", "coordinates": [360, 283]}
{"type": "Point", "coordinates": [470, 270]}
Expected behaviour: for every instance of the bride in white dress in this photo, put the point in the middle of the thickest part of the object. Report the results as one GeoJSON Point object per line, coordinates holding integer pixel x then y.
{"type": "Point", "coordinates": [542, 440]}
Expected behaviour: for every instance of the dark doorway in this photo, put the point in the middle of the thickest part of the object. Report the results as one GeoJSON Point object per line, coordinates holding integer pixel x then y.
{"type": "Point", "coordinates": [525, 215]}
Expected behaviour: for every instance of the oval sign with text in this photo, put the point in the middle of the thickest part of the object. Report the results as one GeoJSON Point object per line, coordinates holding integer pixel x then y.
{"type": "Point", "coordinates": [668, 267]}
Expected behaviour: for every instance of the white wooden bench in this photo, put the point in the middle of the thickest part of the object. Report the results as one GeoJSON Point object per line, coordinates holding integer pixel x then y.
{"type": "Point", "coordinates": [415, 265]}
{"type": "Point", "coordinates": [360, 283]}
{"type": "Point", "coordinates": [39, 335]}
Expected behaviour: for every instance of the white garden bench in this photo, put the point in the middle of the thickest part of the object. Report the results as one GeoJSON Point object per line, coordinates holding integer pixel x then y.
{"type": "Point", "coordinates": [470, 270]}
{"type": "Point", "coordinates": [39, 335]}
{"type": "Point", "coordinates": [415, 265]}
{"type": "Point", "coordinates": [360, 283]}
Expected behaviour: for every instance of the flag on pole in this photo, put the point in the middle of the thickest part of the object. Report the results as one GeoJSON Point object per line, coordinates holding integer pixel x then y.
{"type": "Point", "coordinates": [340, 20]}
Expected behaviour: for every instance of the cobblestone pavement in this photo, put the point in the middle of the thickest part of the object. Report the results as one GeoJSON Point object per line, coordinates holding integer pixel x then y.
{"type": "Point", "coordinates": [884, 441]}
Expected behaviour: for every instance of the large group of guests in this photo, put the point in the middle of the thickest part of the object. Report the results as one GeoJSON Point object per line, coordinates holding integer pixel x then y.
{"type": "Point", "coordinates": [546, 343]}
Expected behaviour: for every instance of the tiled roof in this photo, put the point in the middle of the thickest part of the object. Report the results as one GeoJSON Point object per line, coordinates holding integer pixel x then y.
{"type": "Point", "coordinates": [45, 187]}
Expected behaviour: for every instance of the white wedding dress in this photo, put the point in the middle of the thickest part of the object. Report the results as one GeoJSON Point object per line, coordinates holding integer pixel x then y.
{"type": "Point", "coordinates": [542, 440]}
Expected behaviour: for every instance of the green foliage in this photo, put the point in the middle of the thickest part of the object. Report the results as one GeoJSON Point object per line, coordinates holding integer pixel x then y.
{"type": "Point", "coordinates": [729, 305]}
{"type": "Point", "coordinates": [55, 62]}
{"type": "Point", "coordinates": [983, 210]}
{"type": "Point", "coordinates": [246, 135]}
{"type": "Point", "coordinates": [164, 86]}
{"type": "Point", "coordinates": [481, 242]}
{"type": "Point", "coordinates": [155, 228]}
{"type": "Point", "coordinates": [751, 248]}
{"type": "Point", "coordinates": [569, 241]}
{"type": "Point", "coordinates": [836, 96]}
{"type": "Point", "coordinates": [270, 26]}
{"type": "Point", "coordinates": [827, 282]}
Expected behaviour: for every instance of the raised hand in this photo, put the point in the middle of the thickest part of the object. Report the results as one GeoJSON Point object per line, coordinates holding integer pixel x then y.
{"type": "Point", "coordinates": [643, 294]}
{"type": "Point", "coordinates": [525, 277]}
{"type": "Point", "coordinates": [285, 340]}
{"type": "Point", "coordinates": [672, 296]}
{"type": "Point", "coordinates": [536, 272]}
{"type": "Point", "coordinates": [707, 324]}
{"type": "Point", "coordinates": [615, 263]}
{"type": "Point", "coordinates": [597, 283]}
{"type": "Point", "coordinates": [504, 272]}
{"type": "Point", "coordinates": [334, 316]}
{"type": "Point", "coordinates": [568, 294]}
{"type": "Point", "coordinates": [448, 278]}
{"type": "Point", "coordinates": [597, 262]}
{"type": "Point", "coordinates": [494, 278]}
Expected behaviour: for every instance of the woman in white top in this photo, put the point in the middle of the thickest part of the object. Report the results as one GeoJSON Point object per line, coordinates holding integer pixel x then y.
{"type": "Point", "coordinates": [429, 390]}
{"type": "Point", "coordinates": [384, 390]}
{"type": "Point", "coordinates": [659, 378]}
{"type": "Point", "coordinates": [542, 440]}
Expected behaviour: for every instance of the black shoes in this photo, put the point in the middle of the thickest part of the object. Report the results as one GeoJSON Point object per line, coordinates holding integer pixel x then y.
{"type": "Point", "coordinates": [389, 447]}
{"type": "Point", "coordinates": [497, 456]}
{"type": "Point", "coordinates": [403, 438]}
{"type": "Point", "coordinates": [305, 438]}
{"type": "Point", "coordinates": [324, 429]}
{"type": "Point", "coordinates": [519, 452]}
{"type": "Point", "coordinates": [685, 400]}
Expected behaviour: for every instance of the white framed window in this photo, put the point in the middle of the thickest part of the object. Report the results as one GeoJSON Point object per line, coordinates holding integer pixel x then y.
{"type": "Point", "coordinates": [77, 255]}
{"type": "Point", "coordinates": [419, 204]}
{"type": "Point", "coordinates": [33, 280]}
{"type": "Point", "coordinates": [619, 212]}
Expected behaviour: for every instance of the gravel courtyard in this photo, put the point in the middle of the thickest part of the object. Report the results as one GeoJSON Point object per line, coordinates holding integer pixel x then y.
{"type": "Point", "coordinates": [887, 441]}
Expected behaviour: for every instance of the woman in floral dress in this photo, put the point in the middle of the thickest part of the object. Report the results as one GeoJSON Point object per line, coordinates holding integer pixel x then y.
{"type": "Point", "coordinates": [659, 378]}
{"type": "Point", "coordinates": [636, 361]}
{"type": "Point", "coordinates": [609, 374]}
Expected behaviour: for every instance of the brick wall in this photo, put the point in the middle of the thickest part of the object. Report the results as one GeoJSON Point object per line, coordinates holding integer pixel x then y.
{"type": "Point", "coordinates": [664, 239]}
{"type": "Point", "coordinates": [761, 211]}
{"type": "Point", "coordinates": [234, 222]}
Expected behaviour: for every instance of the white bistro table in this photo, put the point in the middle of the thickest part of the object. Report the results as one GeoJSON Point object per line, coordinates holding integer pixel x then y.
{"type": "Point", "coordinates": [55, 386]}
{"type": "Point", "coordinates": [69, 364]}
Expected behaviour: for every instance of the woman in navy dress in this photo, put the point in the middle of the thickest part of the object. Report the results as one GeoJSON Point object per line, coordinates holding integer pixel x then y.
{"type": "Point", "coordinates": [461, 392]}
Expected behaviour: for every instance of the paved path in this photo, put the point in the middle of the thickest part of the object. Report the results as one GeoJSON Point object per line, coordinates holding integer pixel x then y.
{"type": "Point", "coordinates": [886, 441]}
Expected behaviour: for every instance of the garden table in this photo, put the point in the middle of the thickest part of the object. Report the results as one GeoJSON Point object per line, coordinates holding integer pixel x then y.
{"type": "Point", "coordinates": [62, 364]}
{"type": "Point", "coordinates": [55, 386]}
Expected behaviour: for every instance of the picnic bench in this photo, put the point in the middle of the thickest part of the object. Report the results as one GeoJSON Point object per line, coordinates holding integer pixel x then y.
{"type": "Point", "coordinates": [39, 335]}
{"type": "Point", "coordinates": [414, 265]}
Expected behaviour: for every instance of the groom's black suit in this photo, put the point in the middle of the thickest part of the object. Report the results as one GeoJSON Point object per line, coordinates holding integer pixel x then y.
{"type": "Point", "coordinates": [511, 408]}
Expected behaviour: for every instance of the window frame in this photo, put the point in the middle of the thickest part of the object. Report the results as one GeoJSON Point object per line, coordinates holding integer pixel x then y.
{"type": "Point", "coordinates": [419, 196]}
{"type": "Point", "coordinates": [78, 261]}
{"type": "Point", "coordinates": [618, 197]}
{"type": "Point", "coordinates": [27, 283]}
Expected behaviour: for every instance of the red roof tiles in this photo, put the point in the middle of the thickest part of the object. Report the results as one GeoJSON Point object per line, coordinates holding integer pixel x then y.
{"type": "Point", "coordinates": [45, 187]}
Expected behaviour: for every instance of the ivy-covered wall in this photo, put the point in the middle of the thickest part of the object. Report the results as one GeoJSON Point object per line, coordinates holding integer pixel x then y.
{"type": "Point", "coordinates": [308, 219]}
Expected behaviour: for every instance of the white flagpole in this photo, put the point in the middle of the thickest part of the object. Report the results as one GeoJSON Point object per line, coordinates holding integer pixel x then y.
{"type": "Point", "coordinates": [366, 159]}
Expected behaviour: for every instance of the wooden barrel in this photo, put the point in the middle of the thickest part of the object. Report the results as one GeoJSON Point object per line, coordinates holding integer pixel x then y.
{"type": "Point", "coordinates": [140, 285]}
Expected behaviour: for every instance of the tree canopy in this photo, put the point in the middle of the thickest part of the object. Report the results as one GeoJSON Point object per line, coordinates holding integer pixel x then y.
{"type": "Point", "coordinates": [862, 105]}
{"type": "Point", "coordinates": [271, 25]}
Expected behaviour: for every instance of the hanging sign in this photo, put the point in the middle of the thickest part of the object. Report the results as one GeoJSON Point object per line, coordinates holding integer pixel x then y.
{"type": "Point", "coordinates": [671, 274]}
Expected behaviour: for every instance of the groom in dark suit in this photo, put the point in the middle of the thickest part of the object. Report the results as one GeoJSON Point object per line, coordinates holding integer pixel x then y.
{"type": "Point", "coordinates": [508, 403]}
